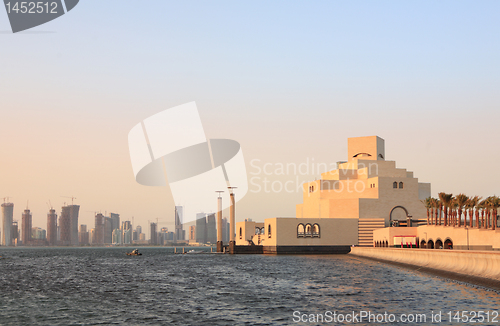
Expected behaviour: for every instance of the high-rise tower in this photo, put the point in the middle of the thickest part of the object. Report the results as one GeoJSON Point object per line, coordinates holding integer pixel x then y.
{"type": "Point", "coordinates": [178, 223]}
{"type": "Point", "coordinates": [64, 225]}
{"type": "Point", "coordinates": [7, 215]}
{"type": "Point", "coordinates": [201, 228]}
{"type": "Point", "coordinates": [99, 229]}
{"type": "Point", "coordinates": [26, 227]}
{"type": "Point", "coordinates": [73, 224]}
{"type": "Point", "coordinates": [153, 234]}
{"type": "Point", "coordinates": [52, 227]}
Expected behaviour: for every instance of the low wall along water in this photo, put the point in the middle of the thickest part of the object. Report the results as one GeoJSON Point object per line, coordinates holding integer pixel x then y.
{"type": "Point", "coordinates": [479, 264]}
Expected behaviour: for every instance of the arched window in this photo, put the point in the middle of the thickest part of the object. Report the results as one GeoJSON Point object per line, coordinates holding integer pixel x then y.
{"type": "Point", "coordinates": [400, 185]}
{"type": "Point", "coordinates": [241, 233]}
{"type": "Point", "coordinates": [300, 231]}
{"type": "Point", "coordinates": [308, 230]}
{"type": "Point", "coordinates": [395, 185]}
{"type": "Point", "coordinates": [362, 155]}
{"type": "Point", "coordinates": [269, 231]}
{"type": "Point", "coordinates": [315, 230]}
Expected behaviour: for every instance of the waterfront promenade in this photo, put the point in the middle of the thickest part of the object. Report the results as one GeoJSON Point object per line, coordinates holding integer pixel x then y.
{"type": "Point", "coordinates": [477, 267]}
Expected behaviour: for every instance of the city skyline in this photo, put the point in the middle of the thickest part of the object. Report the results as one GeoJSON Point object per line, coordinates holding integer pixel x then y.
{"type": "Point", "coordinates": [63, 233]}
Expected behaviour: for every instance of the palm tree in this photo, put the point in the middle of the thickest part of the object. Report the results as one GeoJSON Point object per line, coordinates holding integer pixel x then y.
{"type": "Point", "coordinates": [433, 206]}
{"type": "Point", "coordinates": [471, 204]}
{"type": "Point", "coordinates": [437, 205]}
{"type": "Point", "coordinates": [482, 206]}
{"type": "Point", "coordinates": [486, 212]}
{"type": "Point", "coordinates": [446, 200]}
{"type": "Point", "coordinates": [454, 208]}
{"type": "Point", "coordinates": [460, 202]}
{"type": "Point", "coordinates": [428, 204]}
{"type": "Point", "coordinates": [494, 205]}
{"type": "Point", "coordinates": [468, 211]}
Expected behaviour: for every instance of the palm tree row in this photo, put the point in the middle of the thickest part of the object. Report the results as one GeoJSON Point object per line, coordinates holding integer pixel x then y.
{"type": "Point", "coordinates": [462, 211]}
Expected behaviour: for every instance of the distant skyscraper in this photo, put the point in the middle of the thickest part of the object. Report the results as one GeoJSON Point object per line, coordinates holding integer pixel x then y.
{"type": "Point", "coordinates": [26, 227]}
{"type": "Point", "coordinates": [14, 233]}
{"type": "Point", "coordinates": [73, 224]}
{"type": "Point", "coordinates": [38, 234]}
{"type": "Point", "coordinates": [83, 235]}
{"type": "Point", "coordinates": [201, 228]}
{"type": "Point", "coordinates": [178, 223]}
{"type": "Point", "coordinates": [211, 229]}
{"type": "Point", "coordinates": [117, 237]}
{"type": "Point", "coordinates": [163, 236]}
{"type": "Point", "coordinates": [52, 227]}
{"type": "Point", "coordinates": [7, 215]}
{"type": "Point", "coordinates": [99, 229]}
{"type": "Point", "coordinates": [68, 223]}
{"type": "Point", "coordinates": [64, 225]}
{"type": "Point", "coordinates": [127, 232]}
{"type": "Point", "coordinates": [126, 225]}
{"type": "Point", "coordinates": [108, 230]}
{"type": "Point", "coordinates": [153, 234]}
{"type": "Point", "coordinates": [136, 234]}
{"type": "Point", "coordinates": [127, 236]}
{"type": "Point", "coordinates": [115, 219]}
{"type": "Point", "coordinates": [92, 239]}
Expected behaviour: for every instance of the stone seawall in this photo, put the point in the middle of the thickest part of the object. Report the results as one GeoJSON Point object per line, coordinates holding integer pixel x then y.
{"type": "Point", "coordinates": [480, 267]}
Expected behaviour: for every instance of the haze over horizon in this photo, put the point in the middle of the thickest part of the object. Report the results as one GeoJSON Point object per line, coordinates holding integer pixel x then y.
{"type": "Point", "coordinates": [290, 83]}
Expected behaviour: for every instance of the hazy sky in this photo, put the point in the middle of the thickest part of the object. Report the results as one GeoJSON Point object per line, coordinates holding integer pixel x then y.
{"type": "Point", "coordinates": [289, 80]}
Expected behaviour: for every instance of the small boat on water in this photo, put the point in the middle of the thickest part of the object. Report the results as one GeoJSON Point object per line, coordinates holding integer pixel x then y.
{"type": "Point", "coordinates": [195, 252]}
{"type": "Point", "coordinates": [134, 252]}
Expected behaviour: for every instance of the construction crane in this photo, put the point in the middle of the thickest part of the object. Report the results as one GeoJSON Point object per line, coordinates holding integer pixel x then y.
{"type": "Point", "coordinates": [6, 199]}
{"type": "Point", "coordinates": [72, 198]}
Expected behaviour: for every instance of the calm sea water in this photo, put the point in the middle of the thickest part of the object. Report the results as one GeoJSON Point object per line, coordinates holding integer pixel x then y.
{"type": "Point", "coordinates": [103, 286]}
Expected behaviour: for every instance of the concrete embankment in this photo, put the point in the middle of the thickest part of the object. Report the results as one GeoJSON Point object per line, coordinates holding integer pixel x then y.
{"type": "Point", "coordinates": [477, 267]}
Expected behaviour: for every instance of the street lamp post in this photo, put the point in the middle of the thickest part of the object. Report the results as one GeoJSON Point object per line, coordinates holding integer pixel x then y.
{"type": "Point", "coordinates": [232, 221]}
{"type": "Point", "coordinates": [220, 245]}
{"type": "Point", "coordinates": [466, 228]}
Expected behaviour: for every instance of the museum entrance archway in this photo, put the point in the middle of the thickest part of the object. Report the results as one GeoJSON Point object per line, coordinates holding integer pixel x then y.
{"type": "Point", "coordinates": [398, 216]}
